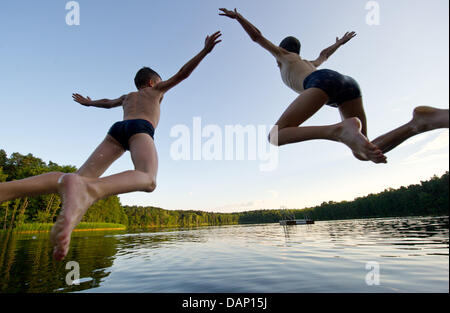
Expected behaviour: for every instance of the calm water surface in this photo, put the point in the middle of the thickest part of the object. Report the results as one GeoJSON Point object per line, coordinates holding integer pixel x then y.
{"type": "Point", "coordinates": [412, 254]}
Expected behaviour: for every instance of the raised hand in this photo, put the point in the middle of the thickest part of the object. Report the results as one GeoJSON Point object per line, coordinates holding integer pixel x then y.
{"type": "Point", "coordinates": [81, 100]}
{"type": "Point", "coordinates": [231, 14]}
{"type": "Point", "coordinates": [346, 38]}
{"type": "Point", "coordinates": [211, 41]}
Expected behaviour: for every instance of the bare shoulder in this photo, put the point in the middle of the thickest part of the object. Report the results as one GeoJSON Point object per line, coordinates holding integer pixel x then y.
{"type": "Point", "coordinates": [152, 93]}
{"type": "Point", "coordinates": [130, 95]}
{"type": "Point", "coordinates": [311, 64]}
{"type": "Point", "coordinates": [125, 96]}
{"type": "Point", "coordinates": [289, 56]}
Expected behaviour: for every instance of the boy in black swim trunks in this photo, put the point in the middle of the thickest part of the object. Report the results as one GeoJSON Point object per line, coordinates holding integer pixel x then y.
{"type": "Point", "coordinates": [135, 133]}
{"type": "Point", "coordinates": [320, 87]}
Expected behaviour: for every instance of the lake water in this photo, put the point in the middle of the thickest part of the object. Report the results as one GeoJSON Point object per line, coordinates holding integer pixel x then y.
{"type": "Point", "coordinates": [369, 255]}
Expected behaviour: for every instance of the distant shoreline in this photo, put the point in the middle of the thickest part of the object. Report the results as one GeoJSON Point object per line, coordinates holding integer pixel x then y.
{"type": "Point", "coordinates": [75, 230]}
{"type": "Point", "coordinates": [36, 228]}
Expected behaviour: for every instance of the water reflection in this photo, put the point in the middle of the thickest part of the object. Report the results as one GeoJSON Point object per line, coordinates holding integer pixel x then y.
{"type": "Point", "coordinates": [213, 259]}
{"type": "Point", "coordinates": [395, 231]}
{"type": "Point", "coordinates": [145, 244]}
{"type": "Point", "coordinates": [26, 263]}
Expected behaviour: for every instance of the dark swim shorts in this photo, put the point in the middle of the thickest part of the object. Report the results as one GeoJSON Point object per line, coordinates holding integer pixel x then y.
{"type": "Point", "coordinates": [123, 131]}
{"type": "Point", "coordinates": [338, 87]}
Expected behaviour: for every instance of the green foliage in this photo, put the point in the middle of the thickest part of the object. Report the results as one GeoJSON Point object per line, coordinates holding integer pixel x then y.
{"type": "Point", "coordinates": [108, 210]}
{"type": "Point", "coordinates": [3, 176]}
{"type": "Point", "coordinates": [427, 198]}
{"type": "Point", "coordinates": [147, 217]}
{"type": "Point", "coordinates": [48, 227]}
{"type": "Point", "coordinates": [45, 209]}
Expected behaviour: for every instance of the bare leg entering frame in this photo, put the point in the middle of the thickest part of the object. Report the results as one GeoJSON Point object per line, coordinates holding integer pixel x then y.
{"type": "Point", "coordinates": [106, 153]}
{"type": "Point", "coordinates": [29, 187]}
{"type": "Point", "coordinates": [79, 193]}
{"type": "Point", "coordinates": [424, 119]}
{"type": "Point", "coordinates": [347, 132]}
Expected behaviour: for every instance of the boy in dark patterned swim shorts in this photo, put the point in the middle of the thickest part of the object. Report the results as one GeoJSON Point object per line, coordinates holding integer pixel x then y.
{"type": "Point", "coordinates": [326, 87]}
{"type": "Point", "coordinates": [135, 133]}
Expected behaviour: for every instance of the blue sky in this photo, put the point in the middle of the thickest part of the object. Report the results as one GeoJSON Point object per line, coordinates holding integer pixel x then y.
{"type": "Point", "coordinates": [400, 64]}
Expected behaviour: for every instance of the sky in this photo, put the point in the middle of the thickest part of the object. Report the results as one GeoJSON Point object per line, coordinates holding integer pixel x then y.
{"type": "Point", "coordinates": [400, 63]}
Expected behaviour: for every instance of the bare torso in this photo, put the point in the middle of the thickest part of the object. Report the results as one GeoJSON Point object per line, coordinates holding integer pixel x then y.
{"type": "Point", "coordinates": [294, 70]}
{"type": "Point", "coordinates": [143, 104]}
{"type": "Point", "coordinates": [146, 103]}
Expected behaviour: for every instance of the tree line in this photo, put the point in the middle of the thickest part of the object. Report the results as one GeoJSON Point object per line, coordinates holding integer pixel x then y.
{"type": "Point", "coordinates": [427, 198]}
{"type": "Point", "coordinates": [45, 209]}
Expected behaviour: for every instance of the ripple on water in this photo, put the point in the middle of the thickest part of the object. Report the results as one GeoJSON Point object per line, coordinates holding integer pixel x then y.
{"type": "Point", "coordinates": [412, 254]}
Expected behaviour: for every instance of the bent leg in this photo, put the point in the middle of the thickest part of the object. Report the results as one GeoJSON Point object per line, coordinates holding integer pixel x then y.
{"type": "Point", "coordinates": [424, 119]}
{"type": "Point", "coordinates": [106, 153]}
{"type": "Point", "coordinates": [79, 193]}
{"type": "Point", "coordinates": [305, 106]}
{"type": "Point", "coordinates": [101, 159]}
{"type": "Point", "coordinates": [143, 178]}
{"type": "Point", "coordinates": [29, 187]}
{"type": "Point", "coordinates": [354, 108]}
{"type": "Point", "coordinates": [347, 132]}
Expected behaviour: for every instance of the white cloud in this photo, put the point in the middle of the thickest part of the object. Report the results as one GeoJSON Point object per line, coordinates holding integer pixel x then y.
{"type": "Point", "coordinates": [431, 151]}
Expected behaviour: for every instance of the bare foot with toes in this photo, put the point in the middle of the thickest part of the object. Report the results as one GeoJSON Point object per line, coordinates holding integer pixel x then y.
{"type": "Point", "coordinates": [76, 199]}
{"type": "Point", "coordinates": [350, 134]}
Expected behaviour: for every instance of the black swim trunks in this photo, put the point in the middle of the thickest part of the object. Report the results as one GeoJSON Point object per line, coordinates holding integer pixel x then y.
{"type": "Point", "coordinates": [123, 131]}
{"type": "Point", "coordinates": [338, 87]}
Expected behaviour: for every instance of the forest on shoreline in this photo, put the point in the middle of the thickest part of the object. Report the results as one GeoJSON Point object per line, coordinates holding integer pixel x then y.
{"type": "Point", "coordinates": [429, 198]}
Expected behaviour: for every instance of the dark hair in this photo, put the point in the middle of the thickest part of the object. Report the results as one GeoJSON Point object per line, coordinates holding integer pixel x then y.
{"type": "Point", "coordinates": [143, 77]}
{"type": "Point", "coordinates": [291, 44]}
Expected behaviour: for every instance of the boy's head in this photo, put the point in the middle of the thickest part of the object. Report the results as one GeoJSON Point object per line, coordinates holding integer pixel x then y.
{"type": "Point", "coordinates": [146, 77]}
{"type": "Point", "coordinates": [291, 44]}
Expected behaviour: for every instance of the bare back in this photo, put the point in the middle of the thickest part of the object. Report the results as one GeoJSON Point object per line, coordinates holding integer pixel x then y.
{"type": "Point", "coordinates": [294, 70]}
{"type": "Point", "coordinates": [143, 104]}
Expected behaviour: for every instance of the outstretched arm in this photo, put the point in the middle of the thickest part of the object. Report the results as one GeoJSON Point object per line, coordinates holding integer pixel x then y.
{"type": "Point", "coordinates": [254, 32]}
{"type": "Point", "coordinates": [326, 53]}
{"type": "Point", "coordinates": [188, 68]}
{"type": "Point", "coordinates": [103, 103]}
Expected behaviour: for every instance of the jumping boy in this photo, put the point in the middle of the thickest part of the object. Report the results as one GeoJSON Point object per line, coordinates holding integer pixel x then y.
{"type": "Point", "coordinates": [135, 133]}
{"type": "Point", "coordinates": [320, 87]}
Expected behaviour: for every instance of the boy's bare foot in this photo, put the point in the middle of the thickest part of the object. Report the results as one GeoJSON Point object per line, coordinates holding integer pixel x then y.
{"type": "Point", "coordinates": [359, 157]}
{"type": "Point", "coordinates": [76, 199]}
{"type": "Point", "coordinates": [349, 133]}
{"type": "Point", "coordinates": [428, 118]}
